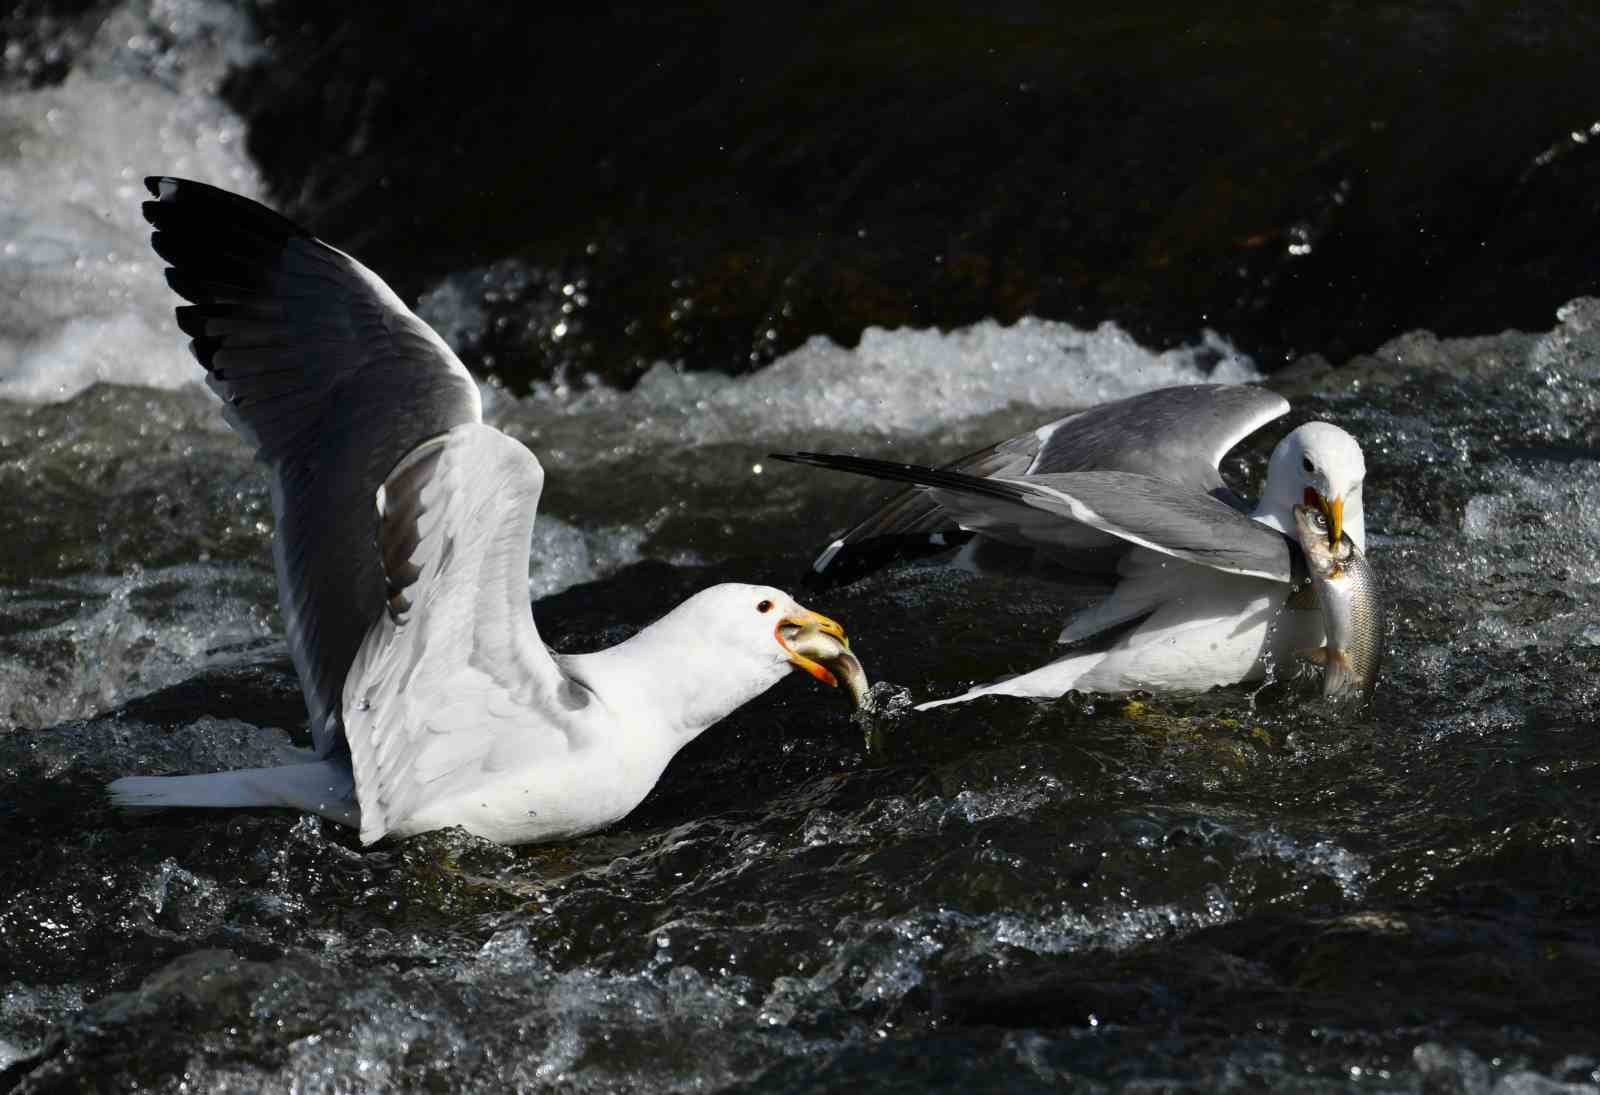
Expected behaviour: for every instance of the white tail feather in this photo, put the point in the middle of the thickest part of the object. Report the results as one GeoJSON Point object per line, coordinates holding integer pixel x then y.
{"type": "Point", "coordinates": [323, 787]}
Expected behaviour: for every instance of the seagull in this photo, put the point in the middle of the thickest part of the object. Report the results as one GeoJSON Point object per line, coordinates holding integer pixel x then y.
{"type": "Point", "coordinates": [403, 526]}
{"type": "Point", "coordinates": [1205, 589]}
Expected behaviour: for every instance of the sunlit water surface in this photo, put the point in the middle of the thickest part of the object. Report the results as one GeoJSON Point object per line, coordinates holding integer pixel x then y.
{"type": "Point", "coordinates": [1232, 891]}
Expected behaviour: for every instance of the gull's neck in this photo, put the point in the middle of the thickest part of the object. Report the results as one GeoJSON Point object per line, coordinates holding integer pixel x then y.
{"type": "Point", "coordinates": [1276, 508]}
{"type": "Point", "coordinates": [669, 683]}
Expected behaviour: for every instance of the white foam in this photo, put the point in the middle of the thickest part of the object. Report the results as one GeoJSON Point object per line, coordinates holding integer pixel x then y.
{"type": "Point", "coordinates": [901, 383]}
{"type": "Point", "coordinates": [82, 298]}
{"type": "Point", "coordinates": [564, 555]}
{"type": "Point", "coordinates": [131, 633]}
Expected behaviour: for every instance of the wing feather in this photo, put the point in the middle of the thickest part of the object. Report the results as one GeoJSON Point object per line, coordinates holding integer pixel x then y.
{"type": "Point", "coordinates": [333, 379]}
{"type": "Point", "coordinates": [455, 669]}
{"type": "Point", "coordinates": [1178, 434]}
{"type": "Point", "coordinates": [912, 522]}
{"type": "Point", "coordinates": [1139, 509]}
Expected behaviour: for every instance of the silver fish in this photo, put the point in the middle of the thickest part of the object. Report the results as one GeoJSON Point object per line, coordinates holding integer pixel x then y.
{"type": "Point", "coordinates": [1352, 609]}
{"type": "Point", "coordinates": [824, 652]}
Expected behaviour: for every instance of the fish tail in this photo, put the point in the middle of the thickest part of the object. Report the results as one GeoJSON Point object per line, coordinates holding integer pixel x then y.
{"type": "Point", "coordinates": [1339, 677]}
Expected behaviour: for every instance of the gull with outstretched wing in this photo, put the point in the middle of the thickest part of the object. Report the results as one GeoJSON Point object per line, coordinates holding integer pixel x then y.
{"type": "Point", "coordinates": [402, 540]}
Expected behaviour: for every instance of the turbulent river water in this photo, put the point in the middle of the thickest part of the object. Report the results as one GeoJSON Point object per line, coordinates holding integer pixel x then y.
{"type": "Point", "coordinates": [1233, 891]}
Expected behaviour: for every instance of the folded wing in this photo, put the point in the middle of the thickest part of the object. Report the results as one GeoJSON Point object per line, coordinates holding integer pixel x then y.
{"type": "Point", "coordinates": [1051, 510]}
{"type": "Point", "coordinates": [1176, 434]}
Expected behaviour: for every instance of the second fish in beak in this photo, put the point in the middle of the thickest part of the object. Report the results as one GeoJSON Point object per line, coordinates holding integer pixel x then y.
{"type": "Point", "coordinates": [818, 645]}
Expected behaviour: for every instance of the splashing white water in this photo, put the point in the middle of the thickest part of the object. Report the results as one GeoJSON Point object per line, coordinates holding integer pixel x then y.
{"type": "Point", "coordinates": [82, 299]}
{"type": "Point", "coordinates": [129, 634]}
{"type": "Point", "coordinates": [895, 384]}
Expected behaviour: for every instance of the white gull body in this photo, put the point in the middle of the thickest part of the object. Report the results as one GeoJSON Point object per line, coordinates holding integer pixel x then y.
{"type": "Point", "coordinates": [1203, 585]}
{"type": "Point", "coordinates": [402, 554]}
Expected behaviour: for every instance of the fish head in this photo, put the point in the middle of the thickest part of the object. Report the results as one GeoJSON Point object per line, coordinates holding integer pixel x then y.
{"type": "Point", "coordinates": [1330, 515]}
{"type": "Point", "coordinates": [1313, 529]}
{"type": "Point", "coordinates": [817, 645]}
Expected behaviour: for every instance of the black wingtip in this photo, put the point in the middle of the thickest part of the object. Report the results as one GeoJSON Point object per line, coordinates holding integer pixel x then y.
{"type": "Point", "coordinates": [850, 562]}
{"type": "Point", "coordinates": [904, 473]}
{"type": "Point", "coordinates": [807, 458]}
{"type": "Point", "coordinates": [187, 204]}
{"type": "Point", "coordinates": [859, 465]}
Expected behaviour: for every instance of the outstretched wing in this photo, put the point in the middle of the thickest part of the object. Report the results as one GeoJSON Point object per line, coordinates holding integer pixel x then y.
{"type": "Point", "coordinates": [1052, 511]}
{"type": "Point", "coordinates": [333, 379]}
{"type": "Point", "coordinates": [453, 680]}
{"type": "Point", "coordinates": [1175, 434]}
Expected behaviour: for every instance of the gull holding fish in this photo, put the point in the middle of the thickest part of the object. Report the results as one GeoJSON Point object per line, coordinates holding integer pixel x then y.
{"type": "Point", "coordinates": [402, 539]}
{"type": "Point", "coordinates": [1201, 587]}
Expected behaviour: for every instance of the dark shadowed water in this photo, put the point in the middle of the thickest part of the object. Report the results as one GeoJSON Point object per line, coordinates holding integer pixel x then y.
{"type": "Point", "coordinates": [1234, 891]}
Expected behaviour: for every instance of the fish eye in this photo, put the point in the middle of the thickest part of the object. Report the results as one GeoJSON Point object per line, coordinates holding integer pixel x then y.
{"type": "Point", "coordinates": [1305, 462]}
{"type": "Point", "coordinates": [764, 606]}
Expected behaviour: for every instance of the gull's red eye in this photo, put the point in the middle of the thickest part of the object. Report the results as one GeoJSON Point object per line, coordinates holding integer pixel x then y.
{"type": "Point", "coordinates": [764, 606]}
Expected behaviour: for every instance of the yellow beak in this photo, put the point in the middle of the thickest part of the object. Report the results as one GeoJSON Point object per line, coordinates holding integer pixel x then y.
{"type": "Point", "coordinates": [1333, 510]}
{"type": "Point", "coordinates": [819, 646]}
{"type": "Point", "coordinates": [806, 633]}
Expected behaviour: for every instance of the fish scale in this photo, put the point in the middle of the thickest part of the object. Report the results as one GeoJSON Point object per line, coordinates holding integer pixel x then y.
{"type": "Point", "coordinates": [1351, 597]}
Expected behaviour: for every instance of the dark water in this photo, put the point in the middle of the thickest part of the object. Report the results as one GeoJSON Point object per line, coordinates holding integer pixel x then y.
{"type": "Point", "coordinates": [724, 181]}
{"type": "Point", "coordinates": [1235, 891]}
{"type": "Point", "coordinates": [1218, 893]}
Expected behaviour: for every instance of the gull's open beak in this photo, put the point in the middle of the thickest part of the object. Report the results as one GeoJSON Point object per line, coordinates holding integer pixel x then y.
{"type": "Point", "coordinates": [818, 645]}
{"type": "Point", "coordinates": [1333, 510]}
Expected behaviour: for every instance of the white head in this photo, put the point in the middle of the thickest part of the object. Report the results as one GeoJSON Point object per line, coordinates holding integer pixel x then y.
{"type": "Point", "coordinates": [715, 652]}
{"type": "Point", "coordinates": [1320, 465]}
{"type": "Point", "coordinates": [765, 625]}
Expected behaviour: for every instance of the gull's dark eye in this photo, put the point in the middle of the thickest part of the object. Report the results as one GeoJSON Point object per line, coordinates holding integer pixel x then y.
{"type": "Point", "coordinates": [1305, 462]}
{"type": "Point", "coordinates": [764, 606]}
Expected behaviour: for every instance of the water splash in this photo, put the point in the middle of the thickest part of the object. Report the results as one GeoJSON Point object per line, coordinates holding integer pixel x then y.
{"type": "Point", "coordinates": [81, 295]}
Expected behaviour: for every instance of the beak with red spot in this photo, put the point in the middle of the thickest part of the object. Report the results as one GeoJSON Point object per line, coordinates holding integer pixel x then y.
{"type": "Point", "coordinates": [818, 645]}
{"type": "Point", "coordinates": [1333, 511]}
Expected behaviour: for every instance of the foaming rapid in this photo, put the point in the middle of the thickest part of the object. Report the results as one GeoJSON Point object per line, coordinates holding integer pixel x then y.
{"type": "Point", "coordinates": [86, 642]}
{"type": "Point", "coordinates": [904, 383]}
{"type": "Point", "coordinates": [1011, 895]}
{"type": "Point", "coordinates": [83, 302]}
{"type": "Point", "coordinates": [81, 297]}
{"type": "Point", "coordinates": [121, 630]}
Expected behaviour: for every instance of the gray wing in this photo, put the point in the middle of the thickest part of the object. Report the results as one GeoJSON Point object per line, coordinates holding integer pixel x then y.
{"type": "Point", "coordinates": [913, 522]}
{"type": "Point", "coordinates": [1177, 434]}
{"type": "Point", "coordinates": [453, 681]}
{"type": "Point", "coordinates": [333, 379]}
{"type": "Point", "coordinates": [1053, 510]}
{"type": "Point", "coordinates": [1162, 516]}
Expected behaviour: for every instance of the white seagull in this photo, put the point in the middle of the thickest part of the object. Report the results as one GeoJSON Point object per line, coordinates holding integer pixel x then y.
{"type": "Point", "coordinates": [1206, 590]}
{"type": "Point", "coordinates": [402, 544]}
